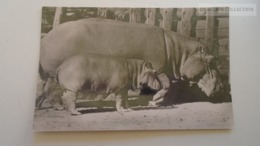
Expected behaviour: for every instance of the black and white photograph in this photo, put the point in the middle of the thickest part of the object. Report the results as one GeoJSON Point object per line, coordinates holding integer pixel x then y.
{"type": "Point", "coordinates": [105, 69]}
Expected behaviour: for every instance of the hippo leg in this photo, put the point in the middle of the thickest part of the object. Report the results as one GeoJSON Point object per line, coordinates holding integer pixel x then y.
{"type": "Point", "coordinates": [158, 97]}
{"type": "Point", "coordinates": [119, 103]}
{"type": "Point", "coordinates": [122, 103]}
{"type": "Point", "coordinates": [52, 92]}
{"type": "Point", "coordinates": [69, 99]}
{"type": "Point", "coordinates": [132, 92]}
{"type": "Point", "coordinates": [40, 97]}
{"type": "Point", "coordinates": [56, 103]}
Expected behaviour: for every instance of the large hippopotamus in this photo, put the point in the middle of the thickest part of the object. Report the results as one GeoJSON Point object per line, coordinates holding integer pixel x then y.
{"type": "Point", "coordinates": [176, 56]}
{"type": "Point", "coordinates": [104, 75]}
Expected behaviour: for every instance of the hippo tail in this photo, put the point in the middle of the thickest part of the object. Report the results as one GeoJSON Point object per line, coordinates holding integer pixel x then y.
{"type": "Point", "coordinates": [43, 75]}
{"type": "Point", "coordinates": [56, 78]}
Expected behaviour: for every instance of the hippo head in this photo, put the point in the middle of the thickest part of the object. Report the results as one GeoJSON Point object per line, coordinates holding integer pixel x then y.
{"type": "Point", "coordinates": [149, 77]}
{"type": "Point", "coordinates": [199, 67]}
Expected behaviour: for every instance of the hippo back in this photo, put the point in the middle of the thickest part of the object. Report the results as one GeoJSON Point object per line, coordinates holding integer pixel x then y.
{"type": "Point", "coordinates": [101, 36]}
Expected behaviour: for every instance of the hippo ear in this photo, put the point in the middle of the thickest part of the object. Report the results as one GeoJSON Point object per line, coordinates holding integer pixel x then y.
{"type": "Point", "coordinates": [148, 65]}
{"type": "Point", "coordinates": [202, 48]}
{"type": "Point", "coordinates": [209, 58]}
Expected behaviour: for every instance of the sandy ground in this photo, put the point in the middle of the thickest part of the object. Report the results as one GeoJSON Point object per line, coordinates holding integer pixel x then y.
{"type": "Point", "coordinates": [197, 115]}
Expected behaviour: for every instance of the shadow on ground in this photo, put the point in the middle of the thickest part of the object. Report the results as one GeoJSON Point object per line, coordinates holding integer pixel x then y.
{"type": "Point", "coordinates": [181, 92]}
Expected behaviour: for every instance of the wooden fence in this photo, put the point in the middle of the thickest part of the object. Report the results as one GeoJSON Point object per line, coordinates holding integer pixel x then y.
{"type": "Point", "coordinates": [210, 26]}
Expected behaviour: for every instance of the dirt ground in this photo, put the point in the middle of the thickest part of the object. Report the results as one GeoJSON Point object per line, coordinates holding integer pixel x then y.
{"type": "Point", "coordinates": [197, 115]}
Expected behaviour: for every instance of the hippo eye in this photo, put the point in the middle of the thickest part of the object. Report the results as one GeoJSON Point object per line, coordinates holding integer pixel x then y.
{"type": "Point", "coordinates": [148, 65]}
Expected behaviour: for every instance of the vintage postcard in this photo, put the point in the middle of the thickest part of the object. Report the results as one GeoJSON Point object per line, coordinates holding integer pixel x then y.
{"type": "Point", "coordinates": [133, 69]}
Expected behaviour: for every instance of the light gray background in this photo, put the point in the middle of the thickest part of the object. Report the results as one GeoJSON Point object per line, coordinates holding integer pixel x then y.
{"type": "Point", "coordinates": [19, 54]}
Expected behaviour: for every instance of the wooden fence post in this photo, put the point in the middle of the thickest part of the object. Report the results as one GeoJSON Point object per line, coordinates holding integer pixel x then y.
{"type": "Point", "coordinates": [167, 18]}
{"type": "Point", "coordinates": [210, 28]}
{"type": "Point", "coordinates": [135, 15]}
{"type": "Point", "coordinates": [57, 16]}
{"type": "Point", "coordinates": [150, 14]}
{"type": "Point", "coordinates": [121, 14]}
{"type": "Point", "coordinates": [187, 14]}
{"type": "Point", "coordinates": [102, 12]}
{"type": "Point", "coordinates": [105, 13]}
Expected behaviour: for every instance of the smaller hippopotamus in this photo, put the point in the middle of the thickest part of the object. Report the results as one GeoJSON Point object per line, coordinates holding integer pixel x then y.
{"type": "Point", "coordinates": [101, 74]}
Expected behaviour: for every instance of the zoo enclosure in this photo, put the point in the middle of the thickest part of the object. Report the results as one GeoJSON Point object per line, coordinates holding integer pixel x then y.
{"type": "Point", "coordinates": [210, 26]}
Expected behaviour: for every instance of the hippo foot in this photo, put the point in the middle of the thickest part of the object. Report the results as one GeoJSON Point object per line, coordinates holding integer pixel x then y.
{"type": "Point", "coordinates": [136, 92]}
{"type": "Point", "coordinates": [153, 104]}
{"type": "Point", "coordinates": [75, 113]}
{"type": "Point", "coordinates": [125, 110]}
{"type": "Point", "coordinates": [58, 107]}
{"type": "Point", "coordinates": [128, 110]}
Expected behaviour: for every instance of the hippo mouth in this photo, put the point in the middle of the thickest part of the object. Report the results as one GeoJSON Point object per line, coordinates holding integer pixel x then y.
{"type": "Point", "coordinates": [151, 86]}
{"type": "Point", "coordinates": [210, 83]}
